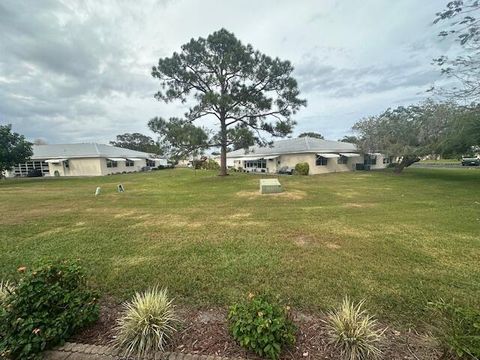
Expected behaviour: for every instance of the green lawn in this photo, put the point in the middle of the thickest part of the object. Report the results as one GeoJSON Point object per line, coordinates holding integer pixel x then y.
{"type": "Point", "coordinates": [398, 241]}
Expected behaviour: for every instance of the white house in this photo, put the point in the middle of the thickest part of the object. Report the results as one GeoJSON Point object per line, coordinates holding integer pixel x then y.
{"type": "Point", "coordinates": [86, 159]}
{"type": "Point", "coordinates": [322, 156]}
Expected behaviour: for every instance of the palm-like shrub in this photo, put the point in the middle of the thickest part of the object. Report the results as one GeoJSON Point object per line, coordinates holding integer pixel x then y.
{"type": "Point", "coordinates": [353, 332]}
{"type": "Point", "coordinates": [146, 324]}
{"type": "Point", "coordinates": [6, 288]}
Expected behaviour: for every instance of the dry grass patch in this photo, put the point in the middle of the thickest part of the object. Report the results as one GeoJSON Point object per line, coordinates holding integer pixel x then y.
{"type": "Point", "coordinates": [290, 195]}
{"type": "Point", "coordinates": [358, 205]}
{"type": "Point", "coordinates": [348, 194]}
{"type": "Point", "coordinates": [306, 240]}
{"type": "Point", "coordinates": [165, 220]}
{"type": "Point", "coordinates": [239, 216]}
{"type": "Point", "coordinates": [31, 214]}
{"type": "Point", "coordinates": [242, 223]}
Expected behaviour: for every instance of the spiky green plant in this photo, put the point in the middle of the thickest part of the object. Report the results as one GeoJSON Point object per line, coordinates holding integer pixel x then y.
{"type": "Point", "coordinates": [6, 288]}
{"type": "Point", "coordinates": [146, 323]}
{"type": "Point", "coordinates": [353, 332]}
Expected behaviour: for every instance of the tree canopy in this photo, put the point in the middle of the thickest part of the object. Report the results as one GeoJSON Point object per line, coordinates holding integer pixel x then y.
{"type": "Point", "coordinates": [312, 135]}
{"type": "Point", "coordinates": [408, 132]}
{"type": "Point", "coordinates": [463, 17]}
{"type": "Point", "coordinates": [349, 139]}
{"type": "Point", "coordinates": [247, 93]}
{"type": "Point", "coordinates": [138, 142]}
{"type": "Point", "coordinates": [179, 138]}
{"type": "Point", "coordinates": [14, 148]}
{"type": "Point", "coordinates": [463, 136]}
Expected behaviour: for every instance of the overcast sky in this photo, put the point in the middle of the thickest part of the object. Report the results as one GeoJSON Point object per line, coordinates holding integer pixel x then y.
{"type": "Point", "coordinates": [79, 71]}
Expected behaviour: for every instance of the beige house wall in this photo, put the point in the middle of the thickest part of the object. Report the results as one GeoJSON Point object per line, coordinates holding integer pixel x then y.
{"type": "Point", "coordinates": [77, 167]}
{"type": "Point", "coordinates": [290, 160]}
{"type": "Point", "coordinates": [379, 164]}
{"type": "Point", "coordinates": [137, 166]}
{"type": "Point", "coordinates": [92, 167]}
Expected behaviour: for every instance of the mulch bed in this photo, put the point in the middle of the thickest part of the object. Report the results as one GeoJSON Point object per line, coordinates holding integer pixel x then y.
{"type": "Point", "coordinates": [205, 332]}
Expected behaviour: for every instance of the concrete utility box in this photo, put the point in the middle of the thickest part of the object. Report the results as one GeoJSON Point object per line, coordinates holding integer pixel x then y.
{"type": "Point", "coordinates": [270, 186]}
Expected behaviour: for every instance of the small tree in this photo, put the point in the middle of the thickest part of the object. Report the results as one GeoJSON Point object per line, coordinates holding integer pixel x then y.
{"type": "Point", "coordinates": [245, 91]}
{"type": "Point", "coordinates": [14, 148]}
{"type": "Point", "coordinates": [312, 135]}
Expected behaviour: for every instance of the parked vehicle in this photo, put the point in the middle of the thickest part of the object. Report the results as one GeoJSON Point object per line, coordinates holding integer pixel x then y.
{"type": "Point", "coordinates": [286, 170]}
{"type": "Point", "coordinates": [470, 161]}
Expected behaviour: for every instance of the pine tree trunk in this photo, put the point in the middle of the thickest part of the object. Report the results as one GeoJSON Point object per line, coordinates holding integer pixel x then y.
{"type": "Point", "coordinates": [223, 149]}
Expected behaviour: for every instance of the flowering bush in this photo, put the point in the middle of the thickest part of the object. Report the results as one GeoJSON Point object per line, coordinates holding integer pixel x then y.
{"type": "Point", "coordinates": [47, 306]}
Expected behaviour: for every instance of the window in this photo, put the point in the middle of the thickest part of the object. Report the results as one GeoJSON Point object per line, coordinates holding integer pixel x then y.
{"type": "Point", "coordinates": [129, 162]}
{"type": "Point", "coordinates": [150, 163]}
{"type": "Point", "coordinates": [23, 168]}
{"type": "Point", "coordinates": [111, 164]}
{"type": "Point", "coordinates": [342, 160]}
{"type": "Point", "coordinates": [321, 161]}
{"type": "Point", "coordinates": [370, 160]}
{"type": "Point", "coordinates": [259, 164]}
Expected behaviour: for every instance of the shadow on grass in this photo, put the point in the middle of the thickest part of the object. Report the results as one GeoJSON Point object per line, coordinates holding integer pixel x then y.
{"type": "Point", "coordinates": [451, 175]}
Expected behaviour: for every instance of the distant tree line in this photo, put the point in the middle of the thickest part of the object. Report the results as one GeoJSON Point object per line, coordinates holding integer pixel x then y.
{"type": "Point", "coordinates": [138, 142]}
{"type": "Point", "coordinates": [429, 128]}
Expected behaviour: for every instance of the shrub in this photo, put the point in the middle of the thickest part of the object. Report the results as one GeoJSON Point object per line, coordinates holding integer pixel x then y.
{"type": "Point", "coordinates": [146, 323]}
{"type": "Point", "coordinates": [457, 329]}
{"type": "Point", "coordinates": [210, 164]}
{"type": "Point", "coordinates": [262, 326]}
{"type": "Point", "coordinates": [302, 168]}
{"type": "Point", "coordinates": [353, 332]}
{"type": "Point", "coordinates": [47, 306]}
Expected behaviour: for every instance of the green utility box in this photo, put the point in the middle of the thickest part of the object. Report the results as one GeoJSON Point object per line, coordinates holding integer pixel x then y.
{"type": "Point", "coordinates": [270, 186]}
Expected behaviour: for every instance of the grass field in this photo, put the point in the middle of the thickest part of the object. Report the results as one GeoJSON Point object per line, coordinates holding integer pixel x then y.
{"type": "Point", "coordinates": [398, 241]}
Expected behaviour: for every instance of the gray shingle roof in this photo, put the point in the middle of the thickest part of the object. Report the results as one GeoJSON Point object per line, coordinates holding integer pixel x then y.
{"type": "Point", "coordinates": [296, 146]}
{"type": "Point", "coordinates": [85, 150]}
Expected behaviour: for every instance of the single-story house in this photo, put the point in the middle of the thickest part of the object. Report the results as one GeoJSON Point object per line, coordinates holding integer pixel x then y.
{"type": "Point", "coordinates": [87, 159]}
{"type": "Point", "coordinates": [322, 156]}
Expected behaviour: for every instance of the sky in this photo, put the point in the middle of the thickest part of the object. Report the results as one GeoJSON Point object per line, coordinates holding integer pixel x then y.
{"type": "Point", "coordinates": [80, 71]}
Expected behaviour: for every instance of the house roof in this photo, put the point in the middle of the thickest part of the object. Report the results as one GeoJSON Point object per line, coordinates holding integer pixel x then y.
{"type": "Point", "coordinates": [83, 150]}
{"type": "Point", "coordinates": [296, 146]}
